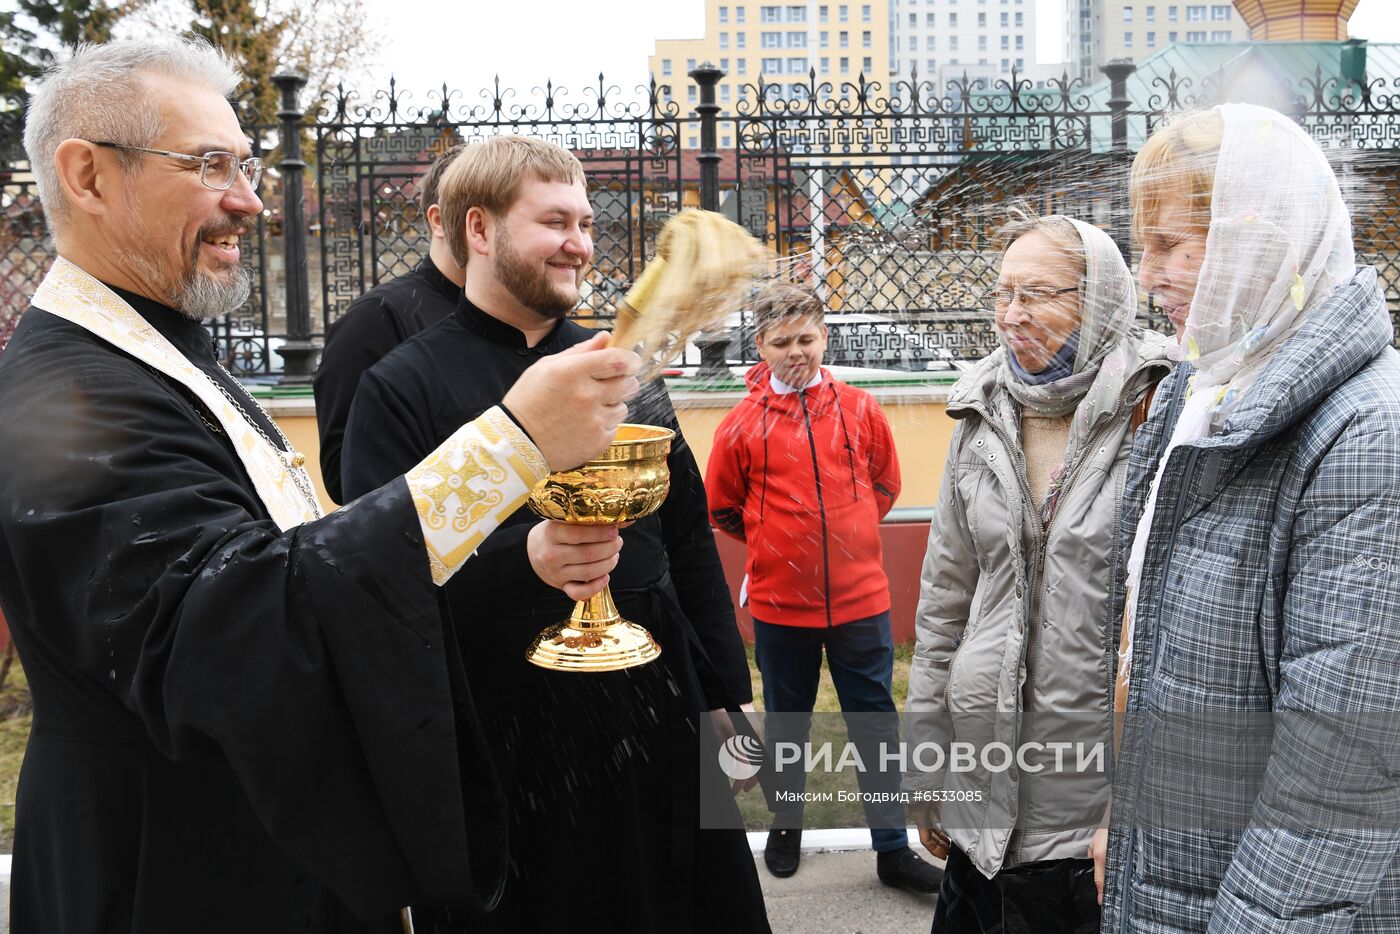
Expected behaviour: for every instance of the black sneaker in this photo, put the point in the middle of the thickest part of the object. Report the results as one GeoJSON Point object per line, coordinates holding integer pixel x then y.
{"type": "Point", "coordinates": [783, 852]}
{"type": "Point", "coordinates": [904, 869]}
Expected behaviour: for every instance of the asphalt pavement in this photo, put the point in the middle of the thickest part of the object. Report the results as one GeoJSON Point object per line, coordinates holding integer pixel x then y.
{"type": "Point", "coordinates": [837, 892]}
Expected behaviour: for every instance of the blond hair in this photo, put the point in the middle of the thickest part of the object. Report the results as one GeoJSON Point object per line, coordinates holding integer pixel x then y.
{"type": "Point", "coordinates": [777, 301]}
{"type": "Point", "coordinates": [1177, 163]}
{"type": "Point", "coordinates": [489, 175]}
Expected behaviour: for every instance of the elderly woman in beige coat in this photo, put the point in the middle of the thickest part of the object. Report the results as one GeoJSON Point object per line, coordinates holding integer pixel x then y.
{"type": "Point", "coordinates": [1014, 617]}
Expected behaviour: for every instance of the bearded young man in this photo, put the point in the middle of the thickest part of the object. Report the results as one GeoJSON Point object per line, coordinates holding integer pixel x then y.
{"type": "Point", "coordinates": [246, 717]}
{"type": "Point", "coordinates": [601, 769]}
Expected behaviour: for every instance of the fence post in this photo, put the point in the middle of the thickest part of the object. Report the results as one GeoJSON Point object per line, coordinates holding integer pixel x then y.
{"type": "Point", "coordinates": [1120, 158]}
{"type": "Point", "coordinates": [707, 76]}
{"type": "Point", "coordinates": [299, 352]}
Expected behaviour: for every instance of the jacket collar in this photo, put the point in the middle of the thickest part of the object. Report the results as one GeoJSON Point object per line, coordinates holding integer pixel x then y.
{"type": "Point", "coordinates": [977, 391]}
{"type": "Point", "coordinates": [761, 390]}
{"type": "Point", "coordinates": [498, 332]}
{"type": "Point", "coordinates": [1338, 338]}
{"type": "Point", "coordinates": [429, 272]}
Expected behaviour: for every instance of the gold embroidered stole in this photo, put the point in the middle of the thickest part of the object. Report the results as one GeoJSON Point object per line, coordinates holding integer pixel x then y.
{"type": "Point", "coordinates": [74, 295]}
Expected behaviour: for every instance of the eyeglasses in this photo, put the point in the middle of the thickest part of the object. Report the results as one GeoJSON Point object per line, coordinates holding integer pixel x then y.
{"type": "Point", "coordinates": [1001, 299]}
{"type": "Point", "coordinates": [217, 170]}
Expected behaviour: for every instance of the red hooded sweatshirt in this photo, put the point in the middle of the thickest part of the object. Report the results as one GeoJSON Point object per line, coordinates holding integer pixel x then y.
{"type": "Point", "coordinates": [804, 479]}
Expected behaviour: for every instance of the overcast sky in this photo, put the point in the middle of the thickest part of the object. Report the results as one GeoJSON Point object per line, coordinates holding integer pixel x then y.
{"type": "Point", "coordinates": [465, 44]}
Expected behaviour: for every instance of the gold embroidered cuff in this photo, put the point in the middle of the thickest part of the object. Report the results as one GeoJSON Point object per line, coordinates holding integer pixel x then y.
{"type": "Point", "coordinates": [469, 485]}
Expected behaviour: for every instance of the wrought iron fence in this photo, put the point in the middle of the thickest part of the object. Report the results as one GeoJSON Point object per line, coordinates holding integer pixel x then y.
{"type": "Point", "coordinates": [884, 197]}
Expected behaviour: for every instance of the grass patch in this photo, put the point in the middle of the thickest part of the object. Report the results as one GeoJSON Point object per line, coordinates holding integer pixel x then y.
{"type": "Point", "coordinates": [16, 715]}
{"type": "Point", "coordinates": [823, 813]}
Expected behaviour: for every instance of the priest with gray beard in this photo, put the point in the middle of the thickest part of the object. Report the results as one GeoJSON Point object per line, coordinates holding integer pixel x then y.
{"type": "Point", "coordinates": [247, 716]}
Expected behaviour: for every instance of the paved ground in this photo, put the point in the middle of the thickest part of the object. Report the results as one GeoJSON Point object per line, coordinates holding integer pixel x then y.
{"type": "Point", "coordinates": [838, 893]}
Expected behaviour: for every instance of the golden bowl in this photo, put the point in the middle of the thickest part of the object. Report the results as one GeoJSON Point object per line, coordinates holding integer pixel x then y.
{"type": "Point", "coordinates": [627, 481]}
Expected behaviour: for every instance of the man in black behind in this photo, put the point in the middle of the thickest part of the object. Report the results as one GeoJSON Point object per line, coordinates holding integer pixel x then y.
{"type": "Point", "coordinates": [380, 320]}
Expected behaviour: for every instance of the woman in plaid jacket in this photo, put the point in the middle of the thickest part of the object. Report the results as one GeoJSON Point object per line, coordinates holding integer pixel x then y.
{"type": "Point", "coordinates": [1256, 784]}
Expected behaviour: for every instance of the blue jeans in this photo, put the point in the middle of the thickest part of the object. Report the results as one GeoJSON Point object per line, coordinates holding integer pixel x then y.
{"type": "Point", "coordinates": [861, 657]}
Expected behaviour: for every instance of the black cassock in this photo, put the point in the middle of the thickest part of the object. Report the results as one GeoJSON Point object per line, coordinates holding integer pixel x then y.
{"type": "Point", "coordinates": [235, 729]}
{"type": "Point", "coordinates": [602, 771]}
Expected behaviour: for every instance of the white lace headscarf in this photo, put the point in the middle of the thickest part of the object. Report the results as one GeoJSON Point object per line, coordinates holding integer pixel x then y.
{"type": "Point", "coordinates": [1279, 244]}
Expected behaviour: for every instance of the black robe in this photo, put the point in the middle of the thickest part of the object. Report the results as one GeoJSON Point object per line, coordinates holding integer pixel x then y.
{"type": "Point", "coordinates": [374, 324]}
{"type": "Point", "coordinates": [602, 771]}
{"type": "Point", "coordinates": [235, 729]}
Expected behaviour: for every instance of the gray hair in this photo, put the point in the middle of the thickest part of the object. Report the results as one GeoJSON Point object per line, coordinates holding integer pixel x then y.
{"type": "Point", "coordinates": [97, 95]}
{"type": "Point", "coordinates": [1021, 220]}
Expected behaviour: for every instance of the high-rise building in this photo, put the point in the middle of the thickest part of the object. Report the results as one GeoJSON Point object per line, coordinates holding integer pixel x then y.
{"type": "Point", "coordinates": [1099, 31]}
{"type": "Point", "coordinates": [782, 44]}
{"type": "Point", "coordinates": [941, 40]}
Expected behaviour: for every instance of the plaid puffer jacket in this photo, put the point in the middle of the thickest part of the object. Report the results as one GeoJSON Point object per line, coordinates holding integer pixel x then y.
{"type": "Point", "coordinates": [1257, 787]}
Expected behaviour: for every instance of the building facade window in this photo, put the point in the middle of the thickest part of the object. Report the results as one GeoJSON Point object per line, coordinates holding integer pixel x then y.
{"type": "Point", "coordinates": [797, 14]}
{"type": "Point", "coordinates": [1127, 40]}
{"type": "Point", "coordinates": [738, 14]}
{"type": "Point", "coordinates": [797, 66]}
{"type": "Point", "coordinates": [1221, 12]}
{"type": "Point", "coordinates": [1220, 35]}
{"type": "Point", "coordinates": [1006, 43]}
{"type": "Point", "coordinates": [1127, 14]}
{"type": "Point", "coordinates": [845, 65]}
{"type": "Point", "coordinates": [1005, 19]}
{"type": "Point", "coordinates": [692, 94]}
{"type": "Point", "coordinates": [665, 68]}
{"type": "Point", "coordinates": [822, 14]}
{"type": "Point", "coordinates": [724, 14]}
{"type": "Point", "coordinates": [953, 44]}
{"type": "Point", "coordinates": [866, 40]}
{"type": "Point", "coordinates": [1194, 36]}
{"type": "Point", "coordinates": [796, 40]}
{"type": "Point", "coordinates": [743, 64]}
{"type": "Point", "coordinates": [741, 40]}
{"type": "Point", "coordinates": [689, 65]}
{"type": "Point", "coordinates": [825, 64]}
{"type": "Point", "coordinates": [981, 20]}
{"type": "Point", "coordinates": [865, 13]}
{"type": "Point", "coordinates": [724, 40]}
{"type": "Point", "coordinates": [1171, 14]}
{"type": "Point", "coordinates": [929, 20]}
{"type": "Point", "coordinates": [1196, 14]}
{"type": "Point", "coordinates": [770, 14]}
{"type": "Point", "coordinates": [1019, 21]}
{"type": "Point", "coordinates": [931, 43]}
{"type": "Point", "coordinates": [1151, 40]}
{"type": "Point", "coordinates": [841, 15]}
{"type": "Point", "coordinates": [824, 39]}
{"type": "Point", "coordinates": [1151, 13]}
{"type": "Point", "coordinates": [981, 43]}
{"type": "Point", "coordinates": [770, 40]}
{"type": "Point", "coordinates": [868, 64]}
{"type": "Point", "coordinates": [845, 39]}
{"type": "Point", "coordinates": [772, 66]}
{"type": "Point", "coordinates": [953, 20]}
{"type": "Point", "coordinates": [1171, 36]}
{"type": "Point", "coordinates": [1020, 43]}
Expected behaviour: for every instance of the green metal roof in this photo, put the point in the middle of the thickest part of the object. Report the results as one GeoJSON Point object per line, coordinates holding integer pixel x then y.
{"type": "Point", "coordinates": [1271, 73]}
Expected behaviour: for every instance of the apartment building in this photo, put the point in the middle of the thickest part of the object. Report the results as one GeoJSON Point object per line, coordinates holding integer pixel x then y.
{"type": "Point", "coordinates": [1099, 31]}
{"type": "Point", "coordinates": [946, 39]}
{"type": "Point", "coordinates": [782, 44]}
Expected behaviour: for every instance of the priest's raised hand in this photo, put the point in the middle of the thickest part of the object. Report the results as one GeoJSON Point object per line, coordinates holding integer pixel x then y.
{"type": "Point", "coordinates": [571, 403]}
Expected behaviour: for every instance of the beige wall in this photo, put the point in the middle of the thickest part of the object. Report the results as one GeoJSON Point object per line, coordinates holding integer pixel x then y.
{"type": "Point", "coordinates": [917, 417]}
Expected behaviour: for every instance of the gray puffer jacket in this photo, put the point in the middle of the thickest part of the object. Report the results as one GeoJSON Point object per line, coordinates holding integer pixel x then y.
{"type": "Point", "coordinates": [1013, 627]}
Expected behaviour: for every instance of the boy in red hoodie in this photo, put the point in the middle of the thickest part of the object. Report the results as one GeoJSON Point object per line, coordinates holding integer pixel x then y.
{"type": "Point", "coordinates": [802, 471]}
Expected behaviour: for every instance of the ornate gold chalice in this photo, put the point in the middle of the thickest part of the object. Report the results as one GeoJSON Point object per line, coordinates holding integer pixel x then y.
{"type": "Point", "coordinates": [628, 481]}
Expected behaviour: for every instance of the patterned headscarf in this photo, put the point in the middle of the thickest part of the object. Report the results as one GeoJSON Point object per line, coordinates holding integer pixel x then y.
{"type": "Point", "coordinates": [1107, 308]}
